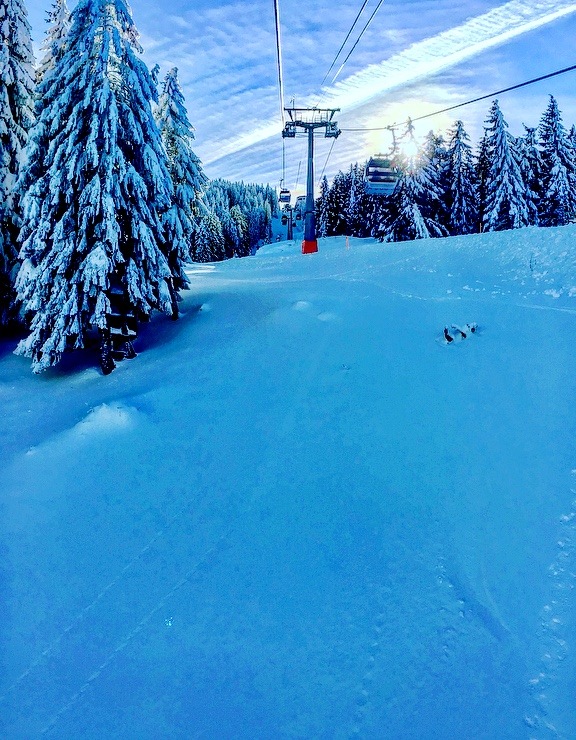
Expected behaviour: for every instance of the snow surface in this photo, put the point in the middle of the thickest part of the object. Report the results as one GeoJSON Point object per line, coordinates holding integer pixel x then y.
{"type": "Point", "coordinates": [298, 513]}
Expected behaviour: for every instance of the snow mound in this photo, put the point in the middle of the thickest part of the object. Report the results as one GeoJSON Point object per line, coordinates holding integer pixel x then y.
{"type": "Point", "coordinates": [106, 418]}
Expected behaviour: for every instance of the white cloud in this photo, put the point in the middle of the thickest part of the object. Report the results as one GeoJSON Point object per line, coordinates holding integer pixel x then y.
{"type": "Point", "coordinates": [407, 63]}
{"type": "Point", "coordinates": [447, 49]}
{"type": "Point", "coordinates": [421, 60]}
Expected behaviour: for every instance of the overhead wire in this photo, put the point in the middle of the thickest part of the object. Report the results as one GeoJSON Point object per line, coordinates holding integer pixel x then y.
{"type": "Point", "coordinates": [297, 175]}
{"type": "Point", "coordinates": [326, 162]}
{"type": "Point", "coordinates": [469, 102]}
{"type": "Point", "coordinates": [390, 127]}
{"type": "Point", "coordinates": [279, 60]}
{"type": "Point", "coordinates": [280, 83]}
{"type": "Point", "coordinates": [364, 4]}
{"type": "Point", "coordinates": [369, 21]}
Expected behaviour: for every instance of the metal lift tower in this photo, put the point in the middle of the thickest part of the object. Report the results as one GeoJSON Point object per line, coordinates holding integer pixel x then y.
{"type": "Point", "coordinates": [309, 119]}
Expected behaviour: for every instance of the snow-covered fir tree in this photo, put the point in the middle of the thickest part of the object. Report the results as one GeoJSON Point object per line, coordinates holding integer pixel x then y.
{"type": "Point", "coordinates": [209, 245]}
{"type": "Point", "coordinates": [558, 204]}
{"type": "Point", "coordinates": [337, 204]}
{"type": "Point", "coordinates": [482, 170]}
{"type": "Point", "coordinates": [344, 203]}
{"type": "Point", "coordinates": [240, 222]}
{"type": "Point", "coordinates": [16, 117]}
{"type": "Point", "coordinates": [232, 237]}
{"type": "Point", "coordinates": [462, 196]}
{"type": "Point", "coordinates": [188, 179]}
{"type": "Point", "coordinates": [434, 159]}
{"type": "Point", "coordinates": [505, 206]}
{"type": "Point", "coordinates": [374, 206]}
{"type": "Point", "coordinates": [259, 226]}
{"type": "Point", "coordinates": [531, 167]}
{"type": "Point", "coordinates": [58, 18]}
{"type": "Point", "coordinates": [94, 191]}
{"type": "Point", "coordinates": [322, 208]}
{"type": "Point", "coordinates": [408, 211]}
{"type": "Point", "coordinates": [356, 202]}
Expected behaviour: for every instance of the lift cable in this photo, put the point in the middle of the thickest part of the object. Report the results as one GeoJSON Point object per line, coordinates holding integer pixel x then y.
{"type": "Point", "coordinates": [279, 60]}
{"type": "Point", "coordinates": [364, 4]}
{"type": "Point", "coordinates": [297, 181]}
{"type": "Point", "coordinates": [469, 102]}
{"type": "Point", "coordinates": [280, 83]}
{"type": "Point", "coordinates": [326, 162]}
{"type": "Point", "coordinates": [368, 22]}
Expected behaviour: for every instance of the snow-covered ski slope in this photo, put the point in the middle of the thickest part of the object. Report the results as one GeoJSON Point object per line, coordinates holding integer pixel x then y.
{"type": "Point", "coordinates": [298, 513]}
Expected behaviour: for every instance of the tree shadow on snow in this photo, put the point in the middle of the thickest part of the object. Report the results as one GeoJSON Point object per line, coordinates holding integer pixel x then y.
{"type": "Point", "coordinates": [162, 330]}
{"type": "Point", "coordinates": [9, 339]}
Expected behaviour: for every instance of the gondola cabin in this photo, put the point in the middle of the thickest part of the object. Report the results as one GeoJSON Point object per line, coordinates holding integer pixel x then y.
{"type": "Point", "coordinates": [380, 176]}
{"type": "Point", "coordinates": [300, 207]}
{"type": "Point", "coordinates": [284, 196]}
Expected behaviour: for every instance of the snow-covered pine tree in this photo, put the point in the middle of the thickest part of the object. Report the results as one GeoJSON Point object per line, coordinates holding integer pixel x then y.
{"type": "Point", "coordinates": [408, 211]}
{"type": "Point", "coordinates": [154, 72]}
{"type": "Point", "coordinates": [322, 208]}
{"type": "Point", "coordinates": [505, 191]}
{"type": "Point", "coordinates": [434, 159]}
{"type": "Point", "coordinates": [462, 196]}
{"type": "Point", "coordinates": [188, 179]}
{"type": "Point", "coordinates": [338, 202]}
{"type": "Point", "coordinates": [209, 242]}
{"type": "Point", "coordinates": [558, 203]}
{"type": "Point", "coordinates": [530, 161]}
{"type": "Point", "coordinates": [482, 170]}
{"type": "Point", "coordinates": [58, 19]}
{"type": "Point", "coordinates": [94, 189]}
{"type": "Point", "coordinates": [356, 218]}
{"type": "Point", "coordinates": [332, 207]}
{"type": "Point", "coordinates": [257, 225]}
{"type": "Point", "coordinates": [241, 225]}
{"type": "Point", "coordinates": [230, 233]}
{"type": "Point", "coordinates": [16, 117]}
{"type": "Point", "coordinates": [374, 208]}
{"type": "Point", "coordinates": [266, 223]}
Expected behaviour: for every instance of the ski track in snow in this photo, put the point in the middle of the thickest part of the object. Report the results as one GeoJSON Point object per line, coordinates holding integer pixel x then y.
{"type": "Point", "coordinates": [81, 615]}
{"type": "Point", "coordinates": [140, 626]}
{"type": "Point", "coordinates": [102, 416]}
{"type": "Point", "coordinates": [460, 602]}
{"type": "Point", "coordinates": [81, 621]}
{"type": "Point", "coordinates": [373, 656]}
{"type": "Point", "coordinates": [556, 635]}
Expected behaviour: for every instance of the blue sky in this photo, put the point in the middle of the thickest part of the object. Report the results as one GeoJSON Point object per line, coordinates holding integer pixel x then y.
{"type": "Point", "coordinates": [417, 56]}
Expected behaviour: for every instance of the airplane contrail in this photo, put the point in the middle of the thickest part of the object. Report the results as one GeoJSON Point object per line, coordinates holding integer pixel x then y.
{"type": "Point", "coordinates": [421, 60]}
{"type": "Point", "coordinates": [447, 49]}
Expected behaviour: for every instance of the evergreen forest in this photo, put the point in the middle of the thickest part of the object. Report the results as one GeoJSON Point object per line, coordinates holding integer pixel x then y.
{"type": "Point", "coordinates": [103, 201]}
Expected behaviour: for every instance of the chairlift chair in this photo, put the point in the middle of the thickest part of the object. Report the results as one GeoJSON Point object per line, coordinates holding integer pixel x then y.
{"type": "Point", "coordinates": [380, 176]}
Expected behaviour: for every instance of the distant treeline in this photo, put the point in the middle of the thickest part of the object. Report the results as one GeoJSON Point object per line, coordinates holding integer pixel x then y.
{"type": "Point", "coordinates": [242, 219]}
{"type": "Point", "coordinates": [448, 189]}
